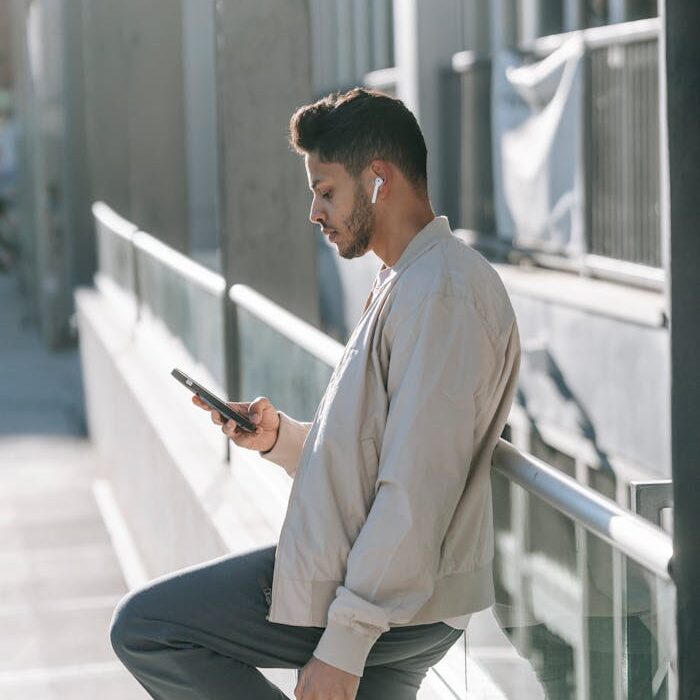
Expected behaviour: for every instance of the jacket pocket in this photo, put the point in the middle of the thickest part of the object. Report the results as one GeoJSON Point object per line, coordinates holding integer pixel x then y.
{"type": "Point", "coordinates": [370, 463]}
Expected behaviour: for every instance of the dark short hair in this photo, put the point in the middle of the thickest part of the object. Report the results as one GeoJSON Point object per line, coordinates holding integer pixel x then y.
{"type": "Point", "coordinates": [359, 126]}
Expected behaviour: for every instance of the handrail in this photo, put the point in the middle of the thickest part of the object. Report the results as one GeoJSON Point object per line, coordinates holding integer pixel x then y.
{"type": "Point", "coordinates": [115, 223]}
{"type": "Point", "coordinates": [301, 333]}
{"type": "Point", "coordinates": [600, 37]}
{"type": "Point", "coordinates": [622, 529]}
{"type": "Point", "coordinates": [193, 271]}
{"type": "Point", "coordinates": [462, 61]}
{"type": "Point", "coordinates": [632, 535]}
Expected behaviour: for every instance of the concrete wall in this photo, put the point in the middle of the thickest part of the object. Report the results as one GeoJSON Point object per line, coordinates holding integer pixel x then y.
{"type": "Point", "coordinates": [597, 376]}
{"type": "Point", "coordinates": [263, 75]}
{"type": "Point", "coordinates": [183, 502]}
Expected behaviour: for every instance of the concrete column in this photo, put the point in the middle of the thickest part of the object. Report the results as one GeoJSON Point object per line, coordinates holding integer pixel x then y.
{"type": "Point", "coordinates": [263, 76]}
{"type": "Point", "coordinates": [25, 113]}
{"type": "Point", "coordinates": [382, 32]}
{"type": "Point", "coordinates": [344, 43]}
{"type": "Point", "coordinates": [105, 57]}
{"type": "Point", "coordinates": [155, 104]}
{"type": "Point", "coordinates": [199, 49]}
{"type": "Point", "coordinates": [426, 35]}
{"type": "Point", "coordinates": [477, 26]}
{"type": "Point", "coordinates": [504, 24]}
{"type": "Point", "coordinates": [361, 25]}
{"type": "Point", "coordinates": [324, 66]}
{"type": "Point", "coordinates": [680, 64]}
{"type": "Point", "coordinates": [77, 217]}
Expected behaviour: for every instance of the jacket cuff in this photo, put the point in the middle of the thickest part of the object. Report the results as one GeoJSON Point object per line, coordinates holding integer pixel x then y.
{"type": "Point", "coordinates": [345, 648]}
{"type": "Point", "coordinates": [290, 441]}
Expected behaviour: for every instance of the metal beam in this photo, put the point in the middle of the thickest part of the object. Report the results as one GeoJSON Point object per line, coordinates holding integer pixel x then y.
{"type": "Point", "coordinates": [680, 66]}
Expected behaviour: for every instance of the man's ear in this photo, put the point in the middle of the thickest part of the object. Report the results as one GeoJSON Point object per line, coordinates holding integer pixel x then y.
{"type": "Point", "coordinates": [379, 173]}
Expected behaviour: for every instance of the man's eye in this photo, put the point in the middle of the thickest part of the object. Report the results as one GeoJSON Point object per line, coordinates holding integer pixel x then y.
{"type": "Point", "coordinates": [326, 195]}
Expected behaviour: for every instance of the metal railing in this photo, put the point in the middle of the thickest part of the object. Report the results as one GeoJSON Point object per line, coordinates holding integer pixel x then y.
{"type": "Point", "coordinates": [623, 157]}
{"type": "Point", "coordinates": [266, 333]}
{"type": "Point", "coordinates": [629, 533]}
{"type": "Point", "coordinates": [155, 279]}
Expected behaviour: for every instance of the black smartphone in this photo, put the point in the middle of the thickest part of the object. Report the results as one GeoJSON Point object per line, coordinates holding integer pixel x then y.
{"type": "Point", "coordinates": [214, 401]}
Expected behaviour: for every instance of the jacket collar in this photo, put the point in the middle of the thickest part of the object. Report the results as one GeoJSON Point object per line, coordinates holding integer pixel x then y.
{"type": "Point", "coordinates": [438, 229]}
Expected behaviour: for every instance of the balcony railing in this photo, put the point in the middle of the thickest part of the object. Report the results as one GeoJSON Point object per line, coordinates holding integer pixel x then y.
{"type": "Point", "coordinates": [584, 592]}
{"type": "Point", "coordinates": [621, 152]}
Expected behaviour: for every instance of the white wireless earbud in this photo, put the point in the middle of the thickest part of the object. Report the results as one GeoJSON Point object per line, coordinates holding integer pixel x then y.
{"type": "Point", "coordinates": [378, 182]}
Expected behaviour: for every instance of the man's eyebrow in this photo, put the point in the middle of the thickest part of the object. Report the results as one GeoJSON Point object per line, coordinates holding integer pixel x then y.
{"type": "Point", "coordinates": [315, 183]}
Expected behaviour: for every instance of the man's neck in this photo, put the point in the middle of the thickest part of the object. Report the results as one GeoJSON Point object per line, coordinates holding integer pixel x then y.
{"type": "Point", "coordinates": [395, 234]}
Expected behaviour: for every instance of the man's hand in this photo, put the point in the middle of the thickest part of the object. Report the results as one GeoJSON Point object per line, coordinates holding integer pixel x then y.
{"type": "Point", "coordinates": [321, 681]}
{"type": "Point", "coordinates": [260, 412]}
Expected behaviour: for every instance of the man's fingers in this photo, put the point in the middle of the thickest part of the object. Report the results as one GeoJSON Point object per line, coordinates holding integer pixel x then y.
{"type": "Point", "coordinates": [257, 407]}
{"type": "Point", "coordinates": [299, 688]}
{"type": "Point", "coordinates": [198, 402]}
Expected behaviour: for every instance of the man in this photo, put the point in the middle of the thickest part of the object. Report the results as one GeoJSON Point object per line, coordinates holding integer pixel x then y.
{"type": "Point", "coordinates": [387, 544]}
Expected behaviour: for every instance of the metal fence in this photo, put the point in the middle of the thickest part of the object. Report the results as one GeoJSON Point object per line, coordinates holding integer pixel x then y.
{"type": "Point", "coordinates": [621, 149]}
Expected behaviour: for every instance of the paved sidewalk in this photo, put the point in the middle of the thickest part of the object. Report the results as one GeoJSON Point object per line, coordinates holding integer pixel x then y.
{"type": "Point", "coordinates": [59, 575]}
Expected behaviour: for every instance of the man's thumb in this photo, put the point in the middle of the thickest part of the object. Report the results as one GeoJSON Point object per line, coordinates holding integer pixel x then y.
{"type": "Point", "coordinates": [256, 409]}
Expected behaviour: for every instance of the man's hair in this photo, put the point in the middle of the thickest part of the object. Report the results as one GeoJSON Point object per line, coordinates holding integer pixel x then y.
{"type": "Point", "coordinates": [359, 126]}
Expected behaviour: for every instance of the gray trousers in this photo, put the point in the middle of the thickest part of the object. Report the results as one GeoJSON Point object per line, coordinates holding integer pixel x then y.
{"type": "Point", "coordinates": [201, 633]}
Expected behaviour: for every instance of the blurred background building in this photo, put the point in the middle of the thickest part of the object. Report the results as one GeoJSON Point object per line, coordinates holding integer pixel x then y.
{"type": "Point", "coordinates": [144, 162]}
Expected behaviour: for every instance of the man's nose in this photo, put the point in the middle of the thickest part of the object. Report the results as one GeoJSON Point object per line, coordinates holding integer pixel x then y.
{"type": "Point", "coordinates": [316, 215]}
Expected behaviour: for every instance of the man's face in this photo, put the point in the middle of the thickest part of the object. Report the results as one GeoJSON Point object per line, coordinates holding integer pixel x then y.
{"type": "Point", "coordinates": [340, 206]}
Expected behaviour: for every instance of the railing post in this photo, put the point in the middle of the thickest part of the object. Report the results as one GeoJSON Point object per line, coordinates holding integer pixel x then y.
{"type": "Point", "coordinates": [649, 498]}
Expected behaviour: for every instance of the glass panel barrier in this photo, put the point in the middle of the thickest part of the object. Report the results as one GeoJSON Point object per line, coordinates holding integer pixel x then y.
{"type": "Point", "coordinates": [187, 298]}
{"type": "Point", "coordinates": [589, 621]}
{"type": "Point", "coordinates": [115, 255]}
{"type": "Point", "coordinates": [272, 365]}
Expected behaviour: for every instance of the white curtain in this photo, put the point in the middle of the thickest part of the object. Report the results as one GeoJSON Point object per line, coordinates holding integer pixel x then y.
{"type": "Point", "coordinates": [538, 149]}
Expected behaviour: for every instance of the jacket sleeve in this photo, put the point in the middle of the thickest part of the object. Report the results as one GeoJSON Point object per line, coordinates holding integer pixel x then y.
{"type": "Point", "coordinates": [290, 441]}
{"type": "Point", "coordinates": [437, 358]}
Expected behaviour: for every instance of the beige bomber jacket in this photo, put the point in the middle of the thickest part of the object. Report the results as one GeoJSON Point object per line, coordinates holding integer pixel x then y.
{"type": "Point", "coordinates": [389, 519]}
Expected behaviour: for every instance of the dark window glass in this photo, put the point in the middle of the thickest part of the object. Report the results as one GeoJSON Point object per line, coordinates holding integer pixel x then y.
{"type": "Point", "coordinates": [596, 13]}
{"type": "Point", "coordinates": [551, 19]}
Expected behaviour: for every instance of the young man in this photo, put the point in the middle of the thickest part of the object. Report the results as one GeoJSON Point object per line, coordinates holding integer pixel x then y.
{"type": "Point", "coordinates": [387, 545]}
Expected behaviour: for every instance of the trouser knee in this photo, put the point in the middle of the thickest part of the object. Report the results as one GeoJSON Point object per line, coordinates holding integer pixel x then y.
{"type": "Point", "coordinates": [126, 632]}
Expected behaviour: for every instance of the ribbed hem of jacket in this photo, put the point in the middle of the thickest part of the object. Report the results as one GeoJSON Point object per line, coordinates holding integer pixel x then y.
{"type": "Point", "coordinates": [290, 440]}
{"type": "Point", "coordinates": [344, 648]}
{"type": "Point", "coordinates": [306, 603]}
